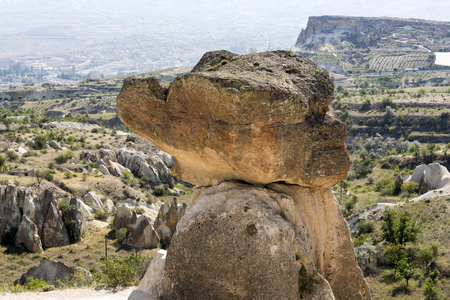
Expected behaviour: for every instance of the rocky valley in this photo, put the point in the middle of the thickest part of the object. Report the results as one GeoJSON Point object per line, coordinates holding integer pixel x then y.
{"type": "Point", "coordinates": [272, 157]}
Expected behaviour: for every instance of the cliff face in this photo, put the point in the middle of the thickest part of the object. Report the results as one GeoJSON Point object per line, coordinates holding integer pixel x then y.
{"type": "Point", "coordinates": [335, 32]}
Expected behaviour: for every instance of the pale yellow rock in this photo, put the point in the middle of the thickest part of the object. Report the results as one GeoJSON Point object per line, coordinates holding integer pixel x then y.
{"type": "Point", "coordinates": [233, 230]}
{"type": "Point", "coordinates": [261, 118]}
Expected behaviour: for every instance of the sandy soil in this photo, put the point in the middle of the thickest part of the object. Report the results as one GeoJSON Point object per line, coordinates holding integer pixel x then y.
{"type": "Point", "coordinates": [72, 294]}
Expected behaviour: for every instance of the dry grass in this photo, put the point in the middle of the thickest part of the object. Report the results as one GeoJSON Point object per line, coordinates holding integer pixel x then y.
{"type": "Point", "coordinates": [87, 253]}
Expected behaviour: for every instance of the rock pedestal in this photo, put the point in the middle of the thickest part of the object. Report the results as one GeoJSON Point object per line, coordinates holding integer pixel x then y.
{"type": "Point", "coordinates": [239, 241]}
{"type": "Point", "coordinates": [259, 133]}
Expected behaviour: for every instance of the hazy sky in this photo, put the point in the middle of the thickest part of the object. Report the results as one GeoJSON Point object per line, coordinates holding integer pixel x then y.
{"type": "Point", "coordinates": [208, 23]}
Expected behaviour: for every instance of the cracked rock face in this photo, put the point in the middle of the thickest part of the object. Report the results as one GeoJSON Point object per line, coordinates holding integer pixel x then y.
{"type": "Point", "coordinates": [261, 118]}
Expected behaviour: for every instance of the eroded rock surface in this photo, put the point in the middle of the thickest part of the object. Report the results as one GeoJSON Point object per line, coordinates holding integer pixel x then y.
{"type": "Point", "coordinates": [239, 241]}
{"type": "Point", "coordinates": [262, 118]}
{"type": "Point", "coordinates": [37, 218]}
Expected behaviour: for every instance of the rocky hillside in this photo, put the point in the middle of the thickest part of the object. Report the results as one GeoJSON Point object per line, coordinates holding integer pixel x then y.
{"type": "Point", "coordinates": [371, 45]}
{"type": "Point", "coordinates": [342, 32]}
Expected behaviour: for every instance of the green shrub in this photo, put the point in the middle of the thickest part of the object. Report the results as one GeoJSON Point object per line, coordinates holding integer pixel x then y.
{"type": "Point", "coordinates": [62, 158]}
{"type": "Point", "coordinates": [121, 234]}
{"type": "Point", "coordinates": [123, 271]}
{"type": "Point", "coordinates": [160, 190]}
{"type": "Point", "coordinates": [139, 210]}
{"type": "Point", "coordinates": [29, 153]}
{"type": "Point", "coordinates": [386, 165]}
{"type": "Point", "coordinates": [126, 175]}
{"type": "Point", "coordinates": [366, 254]}
{"type": "Point", "coordinates": [4, 181]}
{"type": "Point", "coordinates": [68, 174]}
{"type": "Point", "coordinates": [34, 284]}
{"type": "Point", "coordinates": [365, 227]}
{"type": "Point", "coordinates": [398, 229]}
{"type": "Point", "coordinates": [430, 290]}
{"type": "Point", "coordinates": [101, 214]}
{"type": "Point", "coordinates": [405, 269]}
{"type": "Point", "coordinates": [394, 253]}
{"type": "Point", "coordinates": [40, 142]}
{"type": "Point", "coordinates": [410, 187]}
{"type": "Point", "coordinates": [11, 155]}
{"type": "Point", "coordinates": [2, 161]}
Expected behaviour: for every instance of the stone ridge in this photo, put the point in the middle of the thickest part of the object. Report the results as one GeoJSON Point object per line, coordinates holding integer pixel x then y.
{"type": "Point", "coordinates": [365, 32]}
{"type": "Point", "coordinates": [261, 118]}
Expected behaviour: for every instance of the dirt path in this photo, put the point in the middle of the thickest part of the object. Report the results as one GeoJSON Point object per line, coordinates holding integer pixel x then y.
{"type": "Point", "coordinates": [72, 294]}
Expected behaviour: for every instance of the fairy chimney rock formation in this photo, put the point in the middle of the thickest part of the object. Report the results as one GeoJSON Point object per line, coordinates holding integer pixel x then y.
{"type": "Point", "coordinates": [261, 118]}
{"type": "Point", "coordinates": [258, 132]}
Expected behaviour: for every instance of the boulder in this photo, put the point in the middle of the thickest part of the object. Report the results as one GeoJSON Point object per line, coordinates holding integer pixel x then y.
{"type": "Point", "coordinates": [124, 217]}
{"type": "Point", "coordinates": [262, 118]}
{"type": "Point", "coordinates": [78, 217]}
{"type": "Point", "coordinates": [104, 169]}
{"type": "Point", "coordinates": [163, 213]}
{"type": "Point", "coordinates": [22, 193]}
{"type": "Point", "coordinates": [49, 271]}
{"type": "Point", "coordinates": [54, 144]}
{"type": "Point", "coordinates": [154, 167]}
{"type": "Point", "coordinates": [142, 234]}
{"type": "Point", "coordinates": [111, 154]}
{"type": "Point", "coordinates": [168, 159]}
{"type": "Point", "coordinates": [28, 236]}
{"type": "Point", "coordinates": [93, 199]}
{"type": "Point", "coordinates": [424, 185]}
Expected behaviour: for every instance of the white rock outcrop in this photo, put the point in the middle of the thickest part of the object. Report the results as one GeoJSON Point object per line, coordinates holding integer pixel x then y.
{"type": "Point", "coordinates": [113, 161]}
{"type": "Point", "coordinates": [433, 180]}
{"type": "Point", "coordinates": [93, 199]}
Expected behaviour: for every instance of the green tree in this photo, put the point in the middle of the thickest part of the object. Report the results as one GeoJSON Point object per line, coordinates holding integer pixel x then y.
{"type": "Point", "coordinates": [398, 229]}
{"type": "Point", "coordinates": [40, 142]}
{"type": "Point", "coordinates": [388, 227]}
{"type": "Point", "coordinates": [405, 270]}
{"type": "Point", "coordinates": [406, 230]}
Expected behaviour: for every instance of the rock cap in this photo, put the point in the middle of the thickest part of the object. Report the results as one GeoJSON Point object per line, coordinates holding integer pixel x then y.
{"type": "Point", "coordinates": [262, 118]}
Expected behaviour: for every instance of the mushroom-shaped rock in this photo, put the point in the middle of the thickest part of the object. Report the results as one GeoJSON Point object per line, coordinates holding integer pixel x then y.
{"type": "Point", "coordinates": [262, 118]}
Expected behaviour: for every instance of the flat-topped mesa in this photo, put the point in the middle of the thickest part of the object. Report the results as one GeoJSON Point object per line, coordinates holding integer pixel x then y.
{"type": "Point", "coordinates": [262, 118]}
